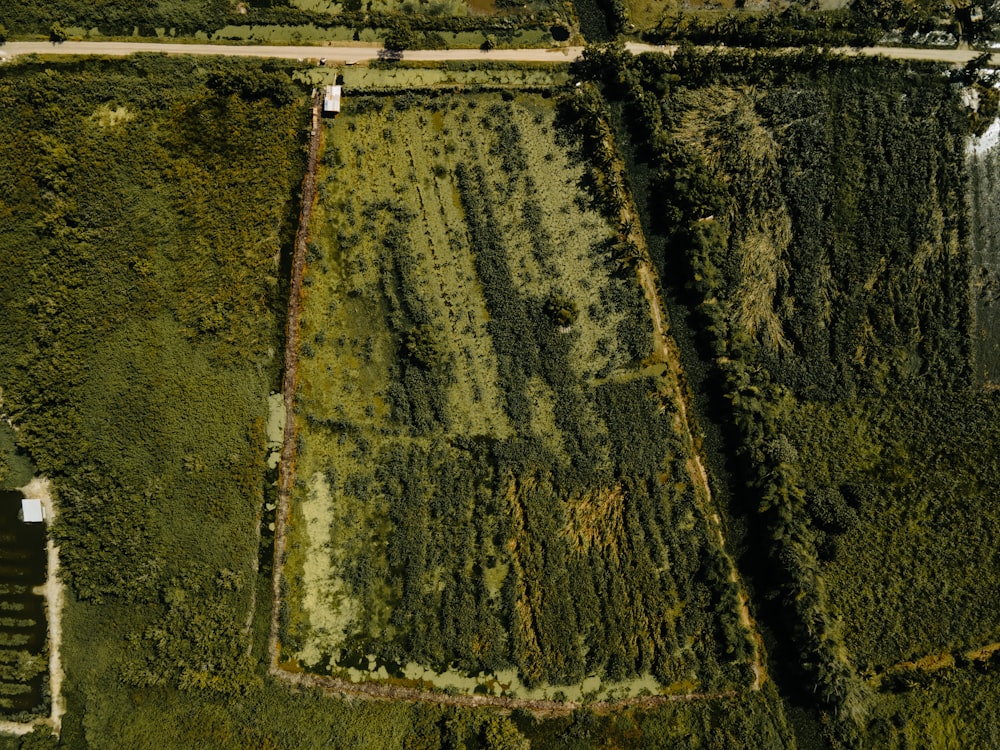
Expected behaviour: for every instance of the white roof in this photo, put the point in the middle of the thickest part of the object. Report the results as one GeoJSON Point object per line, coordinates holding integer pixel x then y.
{"type": "Point", "coordinates": [32, 511]}
{"type": "Point", "coordinates": [331, 99]}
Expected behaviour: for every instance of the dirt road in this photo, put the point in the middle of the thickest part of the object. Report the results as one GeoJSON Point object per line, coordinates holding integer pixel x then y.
{"type": "Point", "coordinates": [291, 372]}
{"type": "Point", "coordinates": [342, 53]}
{"type": "Point", "coordinates": [334, 54]}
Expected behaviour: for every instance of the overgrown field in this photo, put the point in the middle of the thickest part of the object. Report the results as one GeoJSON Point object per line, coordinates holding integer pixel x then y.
{"type": "Point", "coordinates": [490, 476]}
{"type": "Point", "coordinates": [143, 205]}
{"type": "Point", "coordinates": [818, 216]}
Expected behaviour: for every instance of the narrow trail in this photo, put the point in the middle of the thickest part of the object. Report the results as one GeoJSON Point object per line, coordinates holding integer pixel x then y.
{"type": "Point", "coordinates": [380, 691]}
{"type": "Point", "coordinates": [668, 354]}
{"type": "Point", "coordinates": [40, 487]}
{"type": "Point", "coordinates": [976, 657]}
{"type": "Point", "coordinates": [287, 472]}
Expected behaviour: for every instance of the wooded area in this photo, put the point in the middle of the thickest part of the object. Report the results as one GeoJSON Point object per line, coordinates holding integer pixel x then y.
{"type": "Point", "coordinates": [817, 218]}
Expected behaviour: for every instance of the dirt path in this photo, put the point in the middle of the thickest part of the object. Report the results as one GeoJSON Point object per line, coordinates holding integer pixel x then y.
{"type": "Point", "coordinates": [40, 487]}
{"type": "Point", "coordinates": [380, 691]}
{"type": "Point", "coordinates": [339, 53]}
{"type": "Point", "coordinates": [287, 472]}
{"type": "Point", "coordinates": [942, 660]}
{"type": "Point", "coordinates": [667, 352]}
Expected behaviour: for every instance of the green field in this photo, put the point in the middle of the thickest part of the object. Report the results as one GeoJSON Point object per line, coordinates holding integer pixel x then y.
{"type": "Point", "coordinates": [490, 478]}
{"type": "Point", "coordinates": [144, 206]}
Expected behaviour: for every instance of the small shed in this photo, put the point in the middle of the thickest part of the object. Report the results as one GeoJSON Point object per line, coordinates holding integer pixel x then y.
{"type": "Point", "coordinates": [331, 100]}
{"type": "Point", "coordinates": [32, 511]}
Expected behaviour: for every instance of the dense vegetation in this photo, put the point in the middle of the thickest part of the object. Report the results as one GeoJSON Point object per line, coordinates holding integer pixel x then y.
{"type": "Point", "coordinates": [144, 205]}
{"type": "Point", "coordinates": [782, 23]}
{"type": "Point", "coordinates": [138, 346]}
{"type": "Point", "coordinates": [819, 220]}
{"type": "Point", "coordinates": [395, 19]}
{"type": "Point", "coordinates": [490, 477]}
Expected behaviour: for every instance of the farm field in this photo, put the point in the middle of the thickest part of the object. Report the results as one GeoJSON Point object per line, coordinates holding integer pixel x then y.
{"type": "Point", "coordinates": [493, 491]}
{"type": "Point", "coordinates": [410, 23]}
{"type": "Point", "coordinates": [653, 14]}
{"type": "Point", "coordinates": [818, 217]}
{"type": "Point", "coordinates": [144, 210]}
{"type": "Point", "coordinates": [23, 654]}
{"type": "Point", "coordinates": [427, 7]}
{"type": "Point", "coordinates": [114, 16]}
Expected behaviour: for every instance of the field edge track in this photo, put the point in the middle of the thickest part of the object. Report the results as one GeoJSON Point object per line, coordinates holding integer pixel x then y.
{"type": "Point", "coordinates": [289, 379]}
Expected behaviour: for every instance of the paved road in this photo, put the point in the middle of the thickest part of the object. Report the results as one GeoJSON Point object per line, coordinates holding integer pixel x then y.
{"type": "Point", "coordinates": [364, 53]}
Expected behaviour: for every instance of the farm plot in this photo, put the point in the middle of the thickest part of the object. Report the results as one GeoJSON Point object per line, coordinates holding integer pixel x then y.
{"type": "Point", "coordinates": [23, 658]}
{"type": "Point", "coordinates": [437, 8]}
{"type": "Point", "coordinates": [490, 490]}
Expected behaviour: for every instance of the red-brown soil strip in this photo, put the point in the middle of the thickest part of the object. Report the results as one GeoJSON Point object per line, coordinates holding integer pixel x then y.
{"type": "Point", "coordinates": [287, 471]}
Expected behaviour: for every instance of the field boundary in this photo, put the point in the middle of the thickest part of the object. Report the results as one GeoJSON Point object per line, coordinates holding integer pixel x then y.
{"type": "Point", "coordinates": [377, 691]}
{"type": "Point", "coordinates": [287, 471]}
{"type": "Point", "coordinates": [668, 354]}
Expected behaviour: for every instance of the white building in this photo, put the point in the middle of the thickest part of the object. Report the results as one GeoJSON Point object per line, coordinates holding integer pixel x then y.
{"type": "Point", "coordinates": [331, 100]}
{"type": "Point", "coordinates": [32, 511]}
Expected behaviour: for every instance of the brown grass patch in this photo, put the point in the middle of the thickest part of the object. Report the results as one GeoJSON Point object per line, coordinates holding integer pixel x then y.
{"type": "Point", "coordinates": [595, 519]}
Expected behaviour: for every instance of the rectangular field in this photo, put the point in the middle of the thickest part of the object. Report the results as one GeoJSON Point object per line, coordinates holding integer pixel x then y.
{"type": "Point", "coordinates": [826, 231]}
{"type": "Point", "coordinates": [492, 492]}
